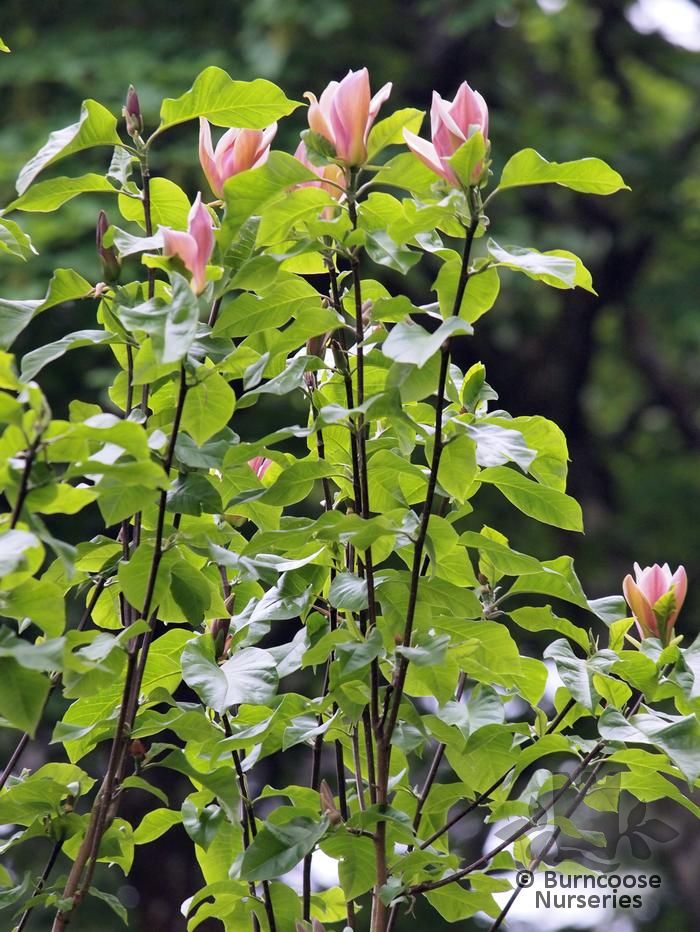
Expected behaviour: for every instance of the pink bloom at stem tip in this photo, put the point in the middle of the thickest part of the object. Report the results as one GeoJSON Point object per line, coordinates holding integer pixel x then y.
{"type": "Point", "coordinates": [193, 247]}
{"type": "Point", "coordinates": [452, 123]}
{"type": "Point", "coordinates": [260, 465]}
{"type": "Point", "coordinates": [344, 115]}
{"type": "Point", "coordinates": [236, 151]}
{"type": "Point", "coordinates": [645, 592]}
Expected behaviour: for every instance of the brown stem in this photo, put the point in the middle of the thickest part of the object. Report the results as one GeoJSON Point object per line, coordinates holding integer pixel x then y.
{"type": "Point", "coordinates": [24, 481]}
{"type": "Point", "coordinates": [53, 857]}
{"type": "Point", "coordinates": [106, 802]}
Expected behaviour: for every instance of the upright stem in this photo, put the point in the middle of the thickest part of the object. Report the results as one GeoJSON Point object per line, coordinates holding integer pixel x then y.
{"type": "Point", "coordinates": [385, 727]}
{"type": "Point", "coordinates": [106, 802]}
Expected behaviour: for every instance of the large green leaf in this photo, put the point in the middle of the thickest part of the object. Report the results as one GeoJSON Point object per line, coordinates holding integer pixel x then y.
{"type": "Point", "coordinates": [225, 102]}
{"type": "Point", "coordinates": [389, 132]}
{"type": "Point", "coordinates": [537, 501]}
{"type": "Point", "coordinates": [410, 343]}
{"type": "Point", "coordinates": [14, 241]}
{"type": "Point", "coordinates": [96, 127]}
{"type": "Point", "coordinates": [589, 176]}
{"type": "Point", "coordinates": [276, 849]}
{"type": "Point", "coordinates": [65, 285]}
{"type": "Point", "coordinates": [677, 736]}
{"type": "Point", "coordinates": [23, 693]}
{"type": "Point", "coordinates": [49, 195]}
{"type": "Point", "coordinates": [35, 361]}
{"type": "Point", "coordinates": [556, 267]}
{"type": "Point", "coordinates": [249, 676]}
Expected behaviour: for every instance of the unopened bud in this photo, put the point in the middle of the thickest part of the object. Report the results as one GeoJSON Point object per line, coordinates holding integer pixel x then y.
{"type": "Point", "coordinates": [132, 113]}
{"type": "Point", "coordinates": [111, 263]}
{"type": "Point", "coordinates": [316, 345]}
{"type": "Point", "coordinates": [317, 926]}
{"type": "Point", "coordinates": [137, 749]}
{"type": "Point", "coordinates": [219, 633]}
{"type": "Point", "coordinates": [367, 312]}
{"type": "Point", "coordinates": [328, 804]}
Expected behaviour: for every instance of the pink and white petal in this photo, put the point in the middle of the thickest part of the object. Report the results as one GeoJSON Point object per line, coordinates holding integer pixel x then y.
{"type": "Point", "coordinates": [349, 115]}
{"type": "Point", "coordinates": [246, 149]}
{"type": "Point", "coordinates": [207, 158]}
{"type": "Point", "coordinates": [268, 135]}
{"type": "Point", "coordinates": [679, 580]}
{"type": "Point", "coordinates": [641, 608]}
{"type": "Point", "coordinates": [180, 244]}
{"type": "Point", "coordinates": [376, 102]}
{"type": "Point", "coordinates": [318, 122]}
{"type": "Point", "coordinates": [425, 152]}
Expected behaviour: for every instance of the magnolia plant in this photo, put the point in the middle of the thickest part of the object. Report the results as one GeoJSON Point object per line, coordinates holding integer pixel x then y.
{"type": "Point", "coordinates": [327, 598]}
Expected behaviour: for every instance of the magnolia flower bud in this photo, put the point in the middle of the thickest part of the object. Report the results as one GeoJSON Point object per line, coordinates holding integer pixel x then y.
{"type": "Point", "coordinates": [328, 804]}
{"type": "Point", "coordinates": [132, 113]}
{"type": "Point", "coordinates": [111, 263]}
{"type": "Point", "coordinates": [656, 596]}
{"type": "Point", "coordinates": [344, 115]}
{"type": "Point", "coordinates": [219, 632]}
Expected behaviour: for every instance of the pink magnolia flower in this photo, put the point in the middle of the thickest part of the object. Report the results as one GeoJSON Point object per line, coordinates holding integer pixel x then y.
{"type": "Point", "coordinates": [451, 124]}
{"type": "Point", "coordinates": [193, 247]}
{"type": "Point", "coordinates": [326, 174]}
{"type": "Point", "coordinates": [260, 465]}
{"type": "Point", "coordinates": [345, 113]}
{"type": "Point", "coordinates": [236, 151]}
{"type": "Point", "coordinates": [644, 593]}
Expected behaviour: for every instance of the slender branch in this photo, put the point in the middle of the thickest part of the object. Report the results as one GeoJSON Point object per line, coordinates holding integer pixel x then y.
{"type": "Point", "coordinates": [24, 481]}
{"type": "Point", "coordinates": [535, 862]}
{"type": "Point", "coordinates": [482, 797]}
{"type": "Point", "coordinates": [402, 667]}
{"type": "Point", "coordinates": [530, 823]}
{"type": "Point", "coordinates": [53, 857]}
{"type": "Point", "coordinates": [106, 803]}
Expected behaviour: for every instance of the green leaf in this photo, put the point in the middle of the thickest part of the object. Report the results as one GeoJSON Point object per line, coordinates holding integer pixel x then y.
{"type": "Point", "coordinates": [588, 176]}
{"type": "Point", "coordinates": [411, 343]}
{"type": "Point", "coordinates": [192, 494]}
{"type": "Point", "coordinates": [497, 445]}
{"type": "Point", "coordinates": [169, 206]}
{"type": "Point", "coordinates": [201, 825]}
{"type": "Point", "coordinates": [276, 849]}
{"type": "Point", "coordinates": [208, 407]}
{"type": "Point", "coordinates": [466, 160]}
{"type": "Point", "coordinates": [14, 241]}
{"type": "Point", "coordinates": [154, 824]}
{"type": "Point", "coordinates": [505, 561]}
{"type": "Point", "coordinates": [249, 676]}
{"type": "Point", "coordinates": [65, 285]}
{"type": "Point", "coordinates": [96, 127]}
{"type": "Point", "coordinates": [382, 249]}
{"type": "Point", "coordinates": [35, 361]}
{"type": "Point", "coordinates": [479, 296]}
{"type": "Point", "coordinates": [544, 619]}
{"type": "Point", "coordinates": [556, 578]}
{"type": "Point", "coordinates": [577, 674]}
{"type": "Point", "coordinates": [348, 592]}
{"type": "Point", "coordinates": [458, 467]}
{"type": "Point", "coordinates": [225, 102]}
{"type": "Point", "coordinates": [355, 856]}
{"type": "Point", "coordinates": [49, 195]}
{"type": "Point", "coordinates": [3, 47]}
{"type": "Point", "coordinates": [389, 132]}
{"type": "Point", "coordinates": [557, 267]}
{"type": "Point", "coordinates": [172, 326]}
{"type": "Point", "coordinates": [246, 193]}
{"type": "Point", "coordinates": [23, 693]}
{"type": "Point", "coordinates": [677, 736]}
{"type": "Point", "coordinates": [537, 501]}
{"type": "Point", "coordinates": [40, 601]}
{"type": "Point", "coordinates": [455, 904]}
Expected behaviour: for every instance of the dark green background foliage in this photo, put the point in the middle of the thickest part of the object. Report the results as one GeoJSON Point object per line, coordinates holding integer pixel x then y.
{"type": "Point", "coordinates": [617, 372]}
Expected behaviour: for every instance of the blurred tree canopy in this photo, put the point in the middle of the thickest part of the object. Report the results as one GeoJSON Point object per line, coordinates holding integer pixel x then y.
{"type": "Point", "coordinates": [617, 372]}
